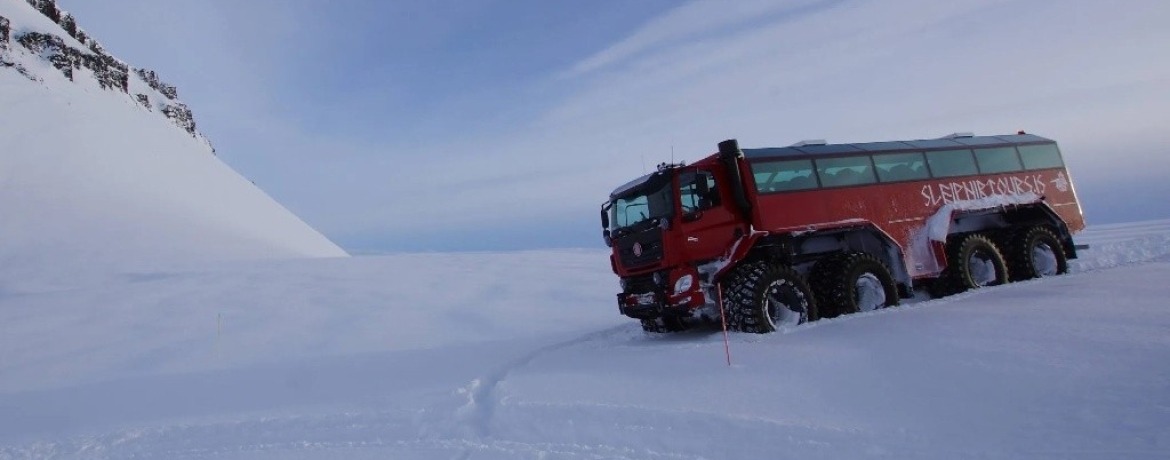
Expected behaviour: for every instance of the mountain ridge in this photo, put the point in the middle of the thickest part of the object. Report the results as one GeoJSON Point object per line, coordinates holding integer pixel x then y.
{"type": "Point", "coordinates": [94, 175]}
{"type": "Point", "coordinates": [110, 72]}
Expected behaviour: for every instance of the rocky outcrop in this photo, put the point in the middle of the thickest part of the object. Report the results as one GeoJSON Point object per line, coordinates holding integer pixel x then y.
{"type": "Point", "coordinates": [110, 72]}
{"type": "Point", "coordinates": [66, 21]}
{"type": "Point", "coordinates": [47, 8]}
{"type": "Point", "coordinates": [5, 31]}
{"type": "Point", "coordinates": [144, 101]}
{"type": "Point", "coordinates": [152, 80]}
{"type": "Point", "coordinates": [180, 115]}
{"type": "Point", "coordinates": [5, 43]}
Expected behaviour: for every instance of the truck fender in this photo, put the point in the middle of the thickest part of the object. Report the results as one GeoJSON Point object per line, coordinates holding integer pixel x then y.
{"type": "Point", "coordinates": [738, 251]}
{"type": "Point", "coordinates": [938, 226]}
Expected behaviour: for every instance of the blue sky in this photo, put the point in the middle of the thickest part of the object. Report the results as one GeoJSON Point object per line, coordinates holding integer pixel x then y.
{"type": "Point", "coordinates": [483, 124]}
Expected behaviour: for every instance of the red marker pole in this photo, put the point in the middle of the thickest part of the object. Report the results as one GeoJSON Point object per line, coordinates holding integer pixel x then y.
{"type": "Point", "coordinates": [723, 318]}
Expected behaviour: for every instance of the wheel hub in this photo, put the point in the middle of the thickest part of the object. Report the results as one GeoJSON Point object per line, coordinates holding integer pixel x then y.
{"type": "Point", "coordinates": [982, 269]}
{"type": "Point", "coordinates": [1044, 260]}
{"type": "Point", "coordinates": [783, 304]}
{"type": "Point", "coordinates": [871, 295]}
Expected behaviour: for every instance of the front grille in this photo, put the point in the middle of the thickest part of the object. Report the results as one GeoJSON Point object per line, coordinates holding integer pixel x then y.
{"type": "Point", "coordinates": [639, 284]}
{"type": "Point", "coordinates": [649, 248]}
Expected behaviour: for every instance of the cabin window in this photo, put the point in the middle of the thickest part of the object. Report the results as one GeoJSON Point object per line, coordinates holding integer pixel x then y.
{"type": "Point", "coordinates": [951, 163]}
{"type": "Point", "coordinates": [1040, 156]}
{"type": "Point", "coordinates": [783, 176]}
{"type": "Point", "coordinates": [846, 171]}
{"type": "Point", "coordinates": [998, 160]}
{"type": "Point", "coordinates": [901, 167]}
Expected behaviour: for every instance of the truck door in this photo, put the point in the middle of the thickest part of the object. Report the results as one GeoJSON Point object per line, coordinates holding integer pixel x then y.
{"type": "Point", "coordinates": [709, 225]}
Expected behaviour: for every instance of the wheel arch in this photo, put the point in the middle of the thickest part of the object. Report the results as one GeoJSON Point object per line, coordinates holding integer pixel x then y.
{"type": "Point", "coordinates": [803, 249]}
{"type": "Point", "coordinates": [1012, 216]}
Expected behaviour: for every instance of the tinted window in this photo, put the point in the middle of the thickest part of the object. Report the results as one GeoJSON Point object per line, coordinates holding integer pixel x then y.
{"type": "Point", "coordinates": [840, 172]}
{"type": "Point", "coordinates": [950, 163]}
{"type": "Point", "coordinates": [1040, 156]}
{"type": "Point", "coordinates": [997, 160]}
{"type": "Point", "coordinates": [900, 166]}
{"type": "Point", "coordinates": [780, 176]}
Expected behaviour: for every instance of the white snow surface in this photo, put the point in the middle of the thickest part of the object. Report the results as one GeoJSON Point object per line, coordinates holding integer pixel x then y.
{"type": "Point", "coordinates": [524, 355]}
{"type": "Point", "coordinates": [91, 180]}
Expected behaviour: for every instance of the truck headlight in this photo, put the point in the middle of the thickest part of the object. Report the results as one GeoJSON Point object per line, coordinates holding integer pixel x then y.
{"type": "Point", "coordinates": [684, 284]}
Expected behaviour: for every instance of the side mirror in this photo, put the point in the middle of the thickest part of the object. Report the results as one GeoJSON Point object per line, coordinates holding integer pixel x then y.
{"type": "Point", "coordinates": [608, 238]}
{"type": "Point", "coordinates": [605, 217]}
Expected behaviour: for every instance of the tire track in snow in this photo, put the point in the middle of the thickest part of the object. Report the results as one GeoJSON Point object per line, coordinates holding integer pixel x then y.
{"type": "Point", "coordinates": [394, 432]}
{"type": "Point", "coordinates": [483, 393]}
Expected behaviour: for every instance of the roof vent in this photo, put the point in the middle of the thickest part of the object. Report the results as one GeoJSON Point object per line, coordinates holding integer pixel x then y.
{"type": "Point", "coordinates": [809, 142]}
{"type": "Point", "coordinates": [957, 135]}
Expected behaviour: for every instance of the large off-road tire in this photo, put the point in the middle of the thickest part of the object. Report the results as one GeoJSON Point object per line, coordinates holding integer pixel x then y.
{"type": "Point", "coordinates": [973, 261]}
{"type": "Point", "coordinates": [1035, 252]}
{"type": "Point", "coordinates": [761, 297]}
{"type": "Point", "coordinates": [852, 282]}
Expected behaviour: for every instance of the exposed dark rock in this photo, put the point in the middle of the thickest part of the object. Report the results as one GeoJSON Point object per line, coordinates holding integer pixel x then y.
{"type": "Point", "coordinates": [144, 100]}
{"type": "Point", "coordinates": [70, 25]}
{"type": "Point", "coordinates": [6, 60]}
{"type": "Point", "coordinates": [110, 72]}
{"type": "Point", "coordinates": [47, 8]}
{"type": "Point", "coordinates": [96, 47]}
{"type": "Point", "coordinates": [50, 10]}
{"type": "Point", "coordinates": [53, 48]}
{"type": "Point", "coordinates": [151, 79]}
{"type": "Point", "coordinates": [180, 115]}
{"type": "Point", "coordinates": [5, 31]}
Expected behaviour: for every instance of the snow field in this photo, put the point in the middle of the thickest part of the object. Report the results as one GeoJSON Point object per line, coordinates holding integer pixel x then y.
{"type": "Point", "coordinates": [522, 355]}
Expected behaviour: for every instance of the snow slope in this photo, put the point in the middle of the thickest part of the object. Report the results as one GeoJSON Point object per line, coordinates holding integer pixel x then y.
{"type": "Point", "coordinates": [523, 355]}
{"type": "Point", "coordinates": [90, 178]}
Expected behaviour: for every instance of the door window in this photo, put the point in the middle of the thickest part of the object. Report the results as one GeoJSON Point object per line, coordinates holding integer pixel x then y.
{"type": "Point", "coordinates": [698, 191]}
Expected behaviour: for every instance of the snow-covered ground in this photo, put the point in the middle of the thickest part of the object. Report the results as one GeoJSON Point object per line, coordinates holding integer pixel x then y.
{"type": "Point", "coordinates": [523, 355]}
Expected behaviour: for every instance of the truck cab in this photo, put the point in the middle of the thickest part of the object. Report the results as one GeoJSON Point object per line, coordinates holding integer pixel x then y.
{"type": "Point", "coordinates": [669, 230]}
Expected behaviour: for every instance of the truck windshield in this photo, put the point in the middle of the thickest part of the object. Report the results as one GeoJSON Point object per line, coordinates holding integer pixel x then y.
{"type": "Point", "coordinates": [642, 204]}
